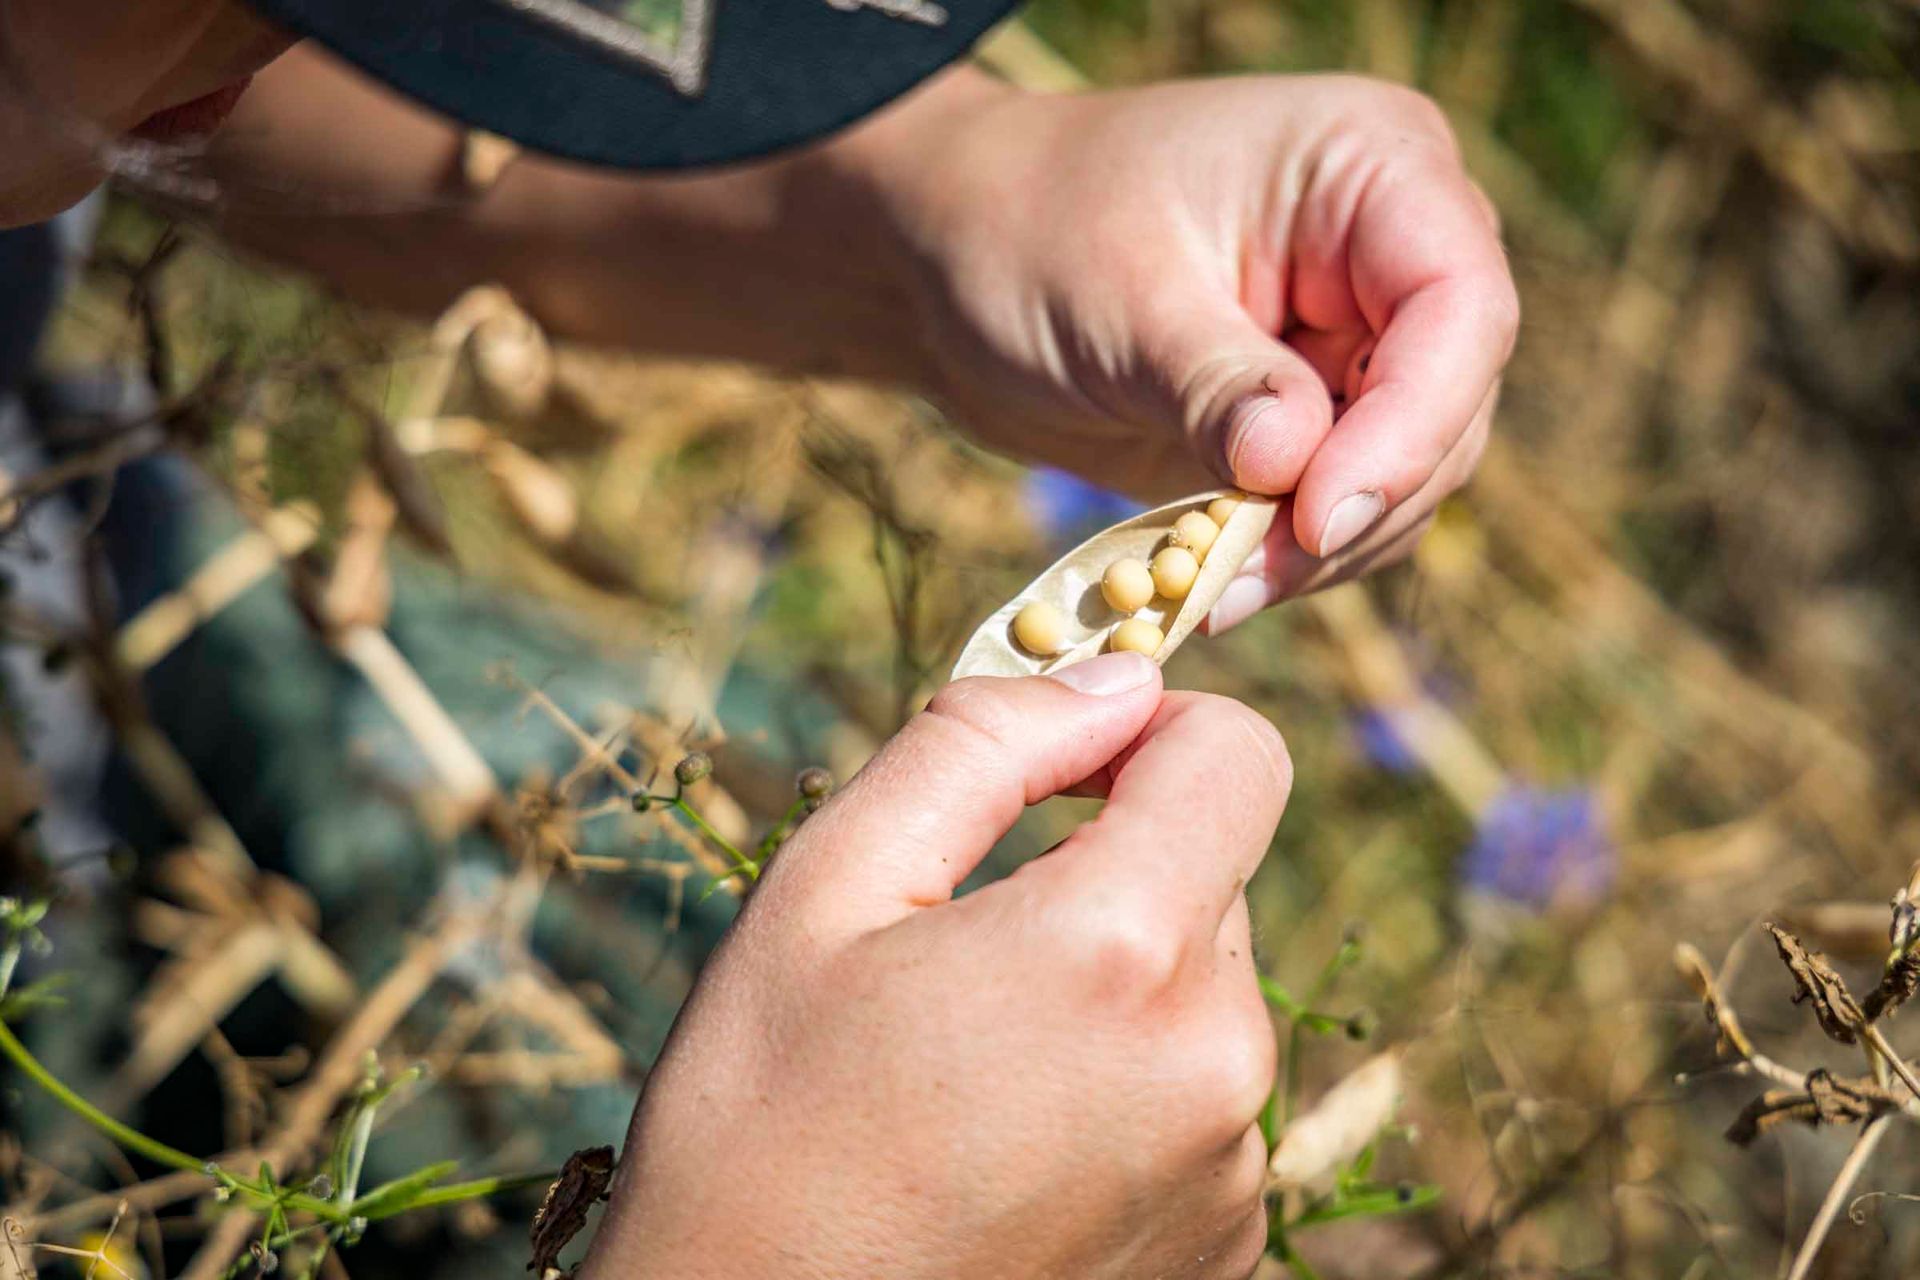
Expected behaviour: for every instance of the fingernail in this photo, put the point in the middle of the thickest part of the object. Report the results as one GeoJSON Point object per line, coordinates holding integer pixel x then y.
{"type": "Point", "coordinates": [1352, 516]}
{"type": "Point", "coordinates": [1243, 598]}
{"type": "Point", "coordinates": [1106, 675]}
{"type": "Point", "coordinates": [1249, 420]}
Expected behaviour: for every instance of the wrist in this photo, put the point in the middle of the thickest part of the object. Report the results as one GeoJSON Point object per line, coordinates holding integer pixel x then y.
{"type": "Point", "coordinates": [883, 184]}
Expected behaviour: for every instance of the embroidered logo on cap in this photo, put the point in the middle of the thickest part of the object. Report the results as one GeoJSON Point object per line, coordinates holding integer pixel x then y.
{"type": "Point", "coordinates": [672, 37]}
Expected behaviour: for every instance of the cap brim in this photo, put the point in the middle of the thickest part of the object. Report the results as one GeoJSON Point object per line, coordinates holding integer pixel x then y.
{"type": "Point", "coordinates": [724, 80]}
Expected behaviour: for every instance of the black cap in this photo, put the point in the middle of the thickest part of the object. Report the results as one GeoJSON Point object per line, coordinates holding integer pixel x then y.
{"type": "Point", "coordinates": [647, 84]}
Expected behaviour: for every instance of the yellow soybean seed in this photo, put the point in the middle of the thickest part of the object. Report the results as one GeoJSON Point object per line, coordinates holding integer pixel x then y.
{"type": "Point", "coordinates": [1220, 508]}
{"type": "Point", "coordinates": [1127, 584]}
{"type": "Point", "coordinates": [1041, 629]}
{"type": "Point", "coordinates": [1136, 635]}
{"type": "Point", "coordinates": [1174, 569]}
{"type": "Point", "coordinates": [1194, 532]}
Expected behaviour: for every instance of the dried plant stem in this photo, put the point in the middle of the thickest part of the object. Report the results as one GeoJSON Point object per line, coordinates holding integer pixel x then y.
{"type": "Point", "coordinates": [338, 1070]}
{"type": "Point", "coordinates": [591, 748]}
{"type": "Point", "coordinates": [1384, 676]}
{"type": "Point", "coordinates": [1894, 1061]}
{"type": "Point", "coordinates": [459, 766]}
{"type": "Point", "coordinates": [154, 632]}
{"type": "Point", "coordinates": [166, 1189]}
{"type": "Point", "coordinates": [1863, 1149]}
{"type": "Point", "coordinates": [103, 459]}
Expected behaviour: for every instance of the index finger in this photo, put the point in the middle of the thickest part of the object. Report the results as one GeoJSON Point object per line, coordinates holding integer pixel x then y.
{"type": "Point", "coordinates": [1191, 809]}
{"type": "Point", "coordinates": [1430, 277]}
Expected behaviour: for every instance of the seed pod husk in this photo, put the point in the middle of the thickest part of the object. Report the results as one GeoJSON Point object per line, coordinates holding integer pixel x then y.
{"type": "Point", "coordinates": [1072, 584]}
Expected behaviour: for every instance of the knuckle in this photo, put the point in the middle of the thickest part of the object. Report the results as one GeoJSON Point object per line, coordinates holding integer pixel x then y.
{"type": "Point", "coordinates": [1487, 207]}
{"type": "Point", "coordinates": [1420, 112]}
{"type": "Point", "coordinates": [977, 705]}
{"type": "Point", "coordinates": [1259, 733]}
{"type": "Point", "coordinates": [1241, 1061]}
{"type": "Point", "coordinates": [1254, 740]}
{"type": "Point", "coordinates": [1243, 1254]}
{"type": "Point", "coordinates": [1501, 306]}
{"type": "Point", "coordinates": [1466, 459]}
{"type": "Point", "coordinates": [1125, 949]}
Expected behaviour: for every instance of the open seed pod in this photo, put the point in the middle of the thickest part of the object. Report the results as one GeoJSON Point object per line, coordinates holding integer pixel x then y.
{"type": "Point", "coordinates": [1072, 586]}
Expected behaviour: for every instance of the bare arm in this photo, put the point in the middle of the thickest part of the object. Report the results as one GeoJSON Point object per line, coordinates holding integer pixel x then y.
{"type": "Point", "coordinates": [786, 262]}
{"type": "Point", "coordinates": [1159, 288]}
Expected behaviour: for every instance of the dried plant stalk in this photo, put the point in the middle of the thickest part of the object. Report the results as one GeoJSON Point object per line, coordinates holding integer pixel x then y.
{"type": "Point", "coordinates": [158, 628]}
{"type": "Point", "coordinates": [1072, 585]}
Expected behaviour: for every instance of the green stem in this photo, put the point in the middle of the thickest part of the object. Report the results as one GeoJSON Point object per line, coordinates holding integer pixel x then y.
{"type": "Point", "coordinates": [9, 958]}
{"type": "Point", "coordinates": [782, 829]}
{"type": "Point", "coordinates": [1343, 957]}
{"type": "Point", "coordinates": [454, 1192]}
{"type": "Point", "coordinates": [139, 1143]}
{"type": "Point", "coordinates": [130, 1138]}
{"type": "Point", "coordinates": [359, 1134]}
{"type": "Point", "coordinates": [276, 1243]}
{"type": "Point", "coordinates": [265, 1195]}
{"type": "Point", "coordinates": [1290, 1097]}
{"type": "Point", "coordinates": [742, 864]}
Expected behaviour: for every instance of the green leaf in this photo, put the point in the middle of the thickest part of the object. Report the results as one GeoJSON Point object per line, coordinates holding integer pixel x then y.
{"type": "Point", "coordinates": [1367, 1202]}
{"type": "Point", "coordinates": [454, 1192]}
{"type": "Point", "coordinates": [1320, 1024]}
{"type": "Point", "coordinates": [1279, 997]}
{"type": "Point", "coordinates": [44, 994]}
{"type": "Point", "coordinates": [393, 1197]}
{"type": "Point", "coordinates": [1355, 1174]}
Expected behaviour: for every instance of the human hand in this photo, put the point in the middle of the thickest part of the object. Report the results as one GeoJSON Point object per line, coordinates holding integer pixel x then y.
{"type": "Point", "coordinates": [1285, 283]}
{"type": "Point", "coordinates": [1057, 1075]}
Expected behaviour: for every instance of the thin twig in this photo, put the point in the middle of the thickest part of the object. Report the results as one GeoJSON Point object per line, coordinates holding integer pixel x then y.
{"type": "Point", "coordinates": [1843, 1181]}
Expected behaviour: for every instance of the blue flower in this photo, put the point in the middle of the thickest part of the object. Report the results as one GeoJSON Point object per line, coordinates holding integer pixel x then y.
{"type": "Point", "coordinates": [1069, 509]}
{"type": "Point", "coordinates": [1380, 741]}
{"type": "Point", "coordinates": [1541, 848]}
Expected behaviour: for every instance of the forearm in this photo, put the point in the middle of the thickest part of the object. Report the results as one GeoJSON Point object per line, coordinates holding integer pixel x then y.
{"type": "Point", "coordinates": [790, 262]}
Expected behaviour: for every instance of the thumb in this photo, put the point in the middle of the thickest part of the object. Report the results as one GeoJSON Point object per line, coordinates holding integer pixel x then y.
{"type": "Point", "coordinates": [918, 819]}
{"type": "Point", "coordinates": [1254, 408]}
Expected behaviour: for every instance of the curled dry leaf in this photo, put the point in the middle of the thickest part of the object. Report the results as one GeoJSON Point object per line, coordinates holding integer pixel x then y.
{"type": "Point", "coordinates": [1339, 1127]}
{"type": "Point", "coordinates": [1839, 1014]}
{"type": "Point", "coordinates": [1827, 1100]}
{"type": "Point", "coordinates": [1072, 586]}
{"type": "Point", "coordinates": [1897, 986]}
{"type": "Point", "coordinates": [582, 1183]}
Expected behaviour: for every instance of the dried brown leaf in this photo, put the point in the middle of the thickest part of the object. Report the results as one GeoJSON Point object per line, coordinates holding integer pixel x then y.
{"type": "Point", "coordinates": [1848, 1099]}
{"type": "Point", "coordinates": [1897, 985]}
{"type": "Point", "coordinates": [582, 1183]}
{"type": "Point", "coordinates": [1827, 1100]}
{"type": "Point", "coordinates": [1839, 1013]}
